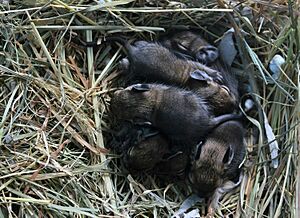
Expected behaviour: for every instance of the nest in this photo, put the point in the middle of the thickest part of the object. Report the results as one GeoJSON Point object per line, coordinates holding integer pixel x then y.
{"type": "Point", "coordinates": [55, 94]}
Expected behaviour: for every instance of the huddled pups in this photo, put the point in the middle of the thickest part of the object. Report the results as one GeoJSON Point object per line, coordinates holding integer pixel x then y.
{"type": "Point", "coordinates": [180, 114]}
{"type": "Point", "coordinates": [153, 62]}
{"type": "Point", "coordinates": [188, 100]}
{"type": "Point", "coordinates": [197, 49]}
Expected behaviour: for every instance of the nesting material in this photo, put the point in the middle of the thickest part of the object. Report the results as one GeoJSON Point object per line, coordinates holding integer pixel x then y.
{"type": "Point", "coordinates": [55, 94]}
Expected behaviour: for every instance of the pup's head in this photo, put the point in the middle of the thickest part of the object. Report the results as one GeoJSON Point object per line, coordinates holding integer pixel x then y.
{"type": "Point", "coordinates": [146, 154]}
{"type": "Point", "coordinates": [136, 101]}
{"type": "Point", "coordinates": [212, 159]}
{"type": "Point", "coordinates": [194, 45]}
{"type": "Point", "coordinates": [220, 98]}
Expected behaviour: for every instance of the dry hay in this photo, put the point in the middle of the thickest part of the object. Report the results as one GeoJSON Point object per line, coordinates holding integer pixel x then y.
{"type": "Point", "coordinates": [55, 93]}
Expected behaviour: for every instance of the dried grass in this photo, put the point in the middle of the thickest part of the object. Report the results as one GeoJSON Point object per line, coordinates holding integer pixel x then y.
{"type": "Point", "coordinates": [55, 93]}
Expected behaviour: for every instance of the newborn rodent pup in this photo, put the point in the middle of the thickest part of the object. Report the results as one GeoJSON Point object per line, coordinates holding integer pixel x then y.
{"type": "Point", "coordinates": [155, 154]}
{"type": "Point", "coordinates": [146, 154]}
{"type": "Point", "coordinates": [140, 145]}
{"type": "Point", "coordinates": [153, 62]}
{"type": "Point", "coordinates": [181, 115]}
{"type": "Point", "coordinates": [143, 148]}
{"type": "Point", "coordinates": [218, 161]}
{"type": "Point", "coordinates": [194, 47]}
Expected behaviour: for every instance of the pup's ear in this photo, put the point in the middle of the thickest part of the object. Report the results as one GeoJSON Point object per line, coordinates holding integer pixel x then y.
{"type": "Point", "coordinates": [200, 76]}
{"type": "Point", "coordinates": [140, 87]}
{"type": "Point", "coordinates": [228, 156]}
{"type": "Point", "coordinates": [207, 54]}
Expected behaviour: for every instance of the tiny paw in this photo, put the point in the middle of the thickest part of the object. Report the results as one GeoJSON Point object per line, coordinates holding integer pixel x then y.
{"type": "Point", "coordinates": [219, 78]}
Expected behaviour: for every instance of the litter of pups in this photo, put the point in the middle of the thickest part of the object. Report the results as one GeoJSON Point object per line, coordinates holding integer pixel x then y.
{"type": "Point", "coordinates": [182, 119]}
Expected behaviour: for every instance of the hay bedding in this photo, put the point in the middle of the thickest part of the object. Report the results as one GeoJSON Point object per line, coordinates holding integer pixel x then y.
{"type": "Point", "coordinates": [55, 93]}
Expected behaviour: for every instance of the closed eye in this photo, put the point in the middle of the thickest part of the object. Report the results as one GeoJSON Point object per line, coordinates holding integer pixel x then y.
{"type": "Point", "coordinates": [181, 46]}
{"type": "Point", "coordinates": [226, 88]}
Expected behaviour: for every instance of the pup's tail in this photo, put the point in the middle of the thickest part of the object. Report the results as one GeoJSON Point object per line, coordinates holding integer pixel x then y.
{"type": "Point", "coordinates": [226, 117]}
{"type": "Point", "coordinates": [248, 106]}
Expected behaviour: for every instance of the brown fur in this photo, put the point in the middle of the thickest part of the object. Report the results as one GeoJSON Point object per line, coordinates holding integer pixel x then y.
{"type": "Point", "coordinates": [181, 115]}
{"type": "Point", "coordinates": [140, 144]}
{"type": "Point", "coordinates": [193, 45]}
{"type": "Point", "coordinates": [153, 62]}
{"type": "Point", "coordinates": [146, 154]}
{"type": "Point", "coordinates": [209, 171]}
{"type": "Point", "coordinates": [143, 148]}
{"type": "Point", "coordinates": [219, 97]}
{"type": "Point", "coordinates": [130, 133]}
{"type": "Point", "coordinates": [173, 165]}
{"type": "Point", "coordinates": [169, 109]}
{"type": "Point", "coordinates": [156, 155]}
